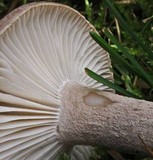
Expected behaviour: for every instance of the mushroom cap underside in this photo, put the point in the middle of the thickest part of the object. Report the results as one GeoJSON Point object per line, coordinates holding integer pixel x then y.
{"type": "Point", "coordinates": [42, 46]}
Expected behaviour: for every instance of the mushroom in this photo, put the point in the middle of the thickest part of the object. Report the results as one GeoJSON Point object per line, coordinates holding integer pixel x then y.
{"type": "Point", "coordinates": [43, 46]}
{"type": "Point", "coordinates": [47, 102]}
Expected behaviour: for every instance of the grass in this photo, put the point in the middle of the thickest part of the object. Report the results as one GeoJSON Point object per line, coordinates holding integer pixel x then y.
{"type": "Point", "coordinates": [124, 62]}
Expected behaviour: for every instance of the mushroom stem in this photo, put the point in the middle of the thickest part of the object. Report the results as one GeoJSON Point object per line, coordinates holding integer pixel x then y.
{"type": "Point", "coordinates": [103, 118]}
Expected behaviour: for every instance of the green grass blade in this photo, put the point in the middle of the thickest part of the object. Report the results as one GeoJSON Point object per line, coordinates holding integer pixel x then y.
{"type": "Point", "coordinates": [125, 26]}
{"type": "Point", "coordinates": [115, 56]}
{"type": "Point", "coordinates": [141, 72]}
{"type": "Point", "coordinates": [88, 8]}
{"type": "Point", "coordinates": [109, 84]}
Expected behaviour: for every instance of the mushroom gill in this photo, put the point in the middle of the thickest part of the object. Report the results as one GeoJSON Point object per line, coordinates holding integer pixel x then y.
{"type": "Point", "coordinates": [43, 46]}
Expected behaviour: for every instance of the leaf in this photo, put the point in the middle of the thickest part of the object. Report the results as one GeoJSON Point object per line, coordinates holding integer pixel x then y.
{"type": "Point", "coordinates": [109, 84]}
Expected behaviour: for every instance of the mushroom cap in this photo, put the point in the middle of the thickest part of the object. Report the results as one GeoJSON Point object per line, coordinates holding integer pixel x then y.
{"type": "Point", "coordinates": [42, 46]}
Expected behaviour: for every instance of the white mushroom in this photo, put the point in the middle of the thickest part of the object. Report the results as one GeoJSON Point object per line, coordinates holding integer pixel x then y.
{"type": "Point", "coordinates": [47, 102]}
{"type": "Point", "coordinates": [42, 47]}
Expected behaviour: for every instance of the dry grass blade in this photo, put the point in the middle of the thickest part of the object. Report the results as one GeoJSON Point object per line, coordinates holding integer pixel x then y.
{"type": "Point", "coordinates": [146, 147]}
{"type": "Point", "coordinates": [115, 154]}
{"type": "Point", "coordinates": [125, 1]}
